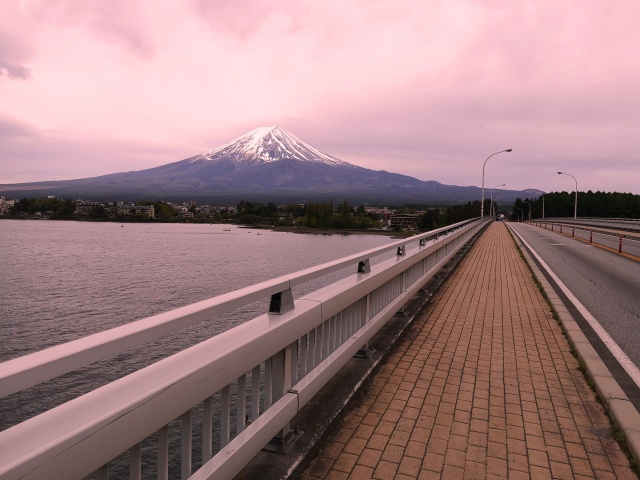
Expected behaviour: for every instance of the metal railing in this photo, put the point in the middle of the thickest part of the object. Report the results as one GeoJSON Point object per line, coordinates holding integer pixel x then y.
{"type": "Point", "coordinates": [631, 224]}
{"type": "Point", "coordinates": [245, 384]}
{"type": "Point", "coordinates": [612, 241]}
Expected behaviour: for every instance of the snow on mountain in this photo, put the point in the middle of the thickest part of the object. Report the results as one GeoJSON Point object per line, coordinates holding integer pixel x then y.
{"type": "Point", "coordinates": [268, 164]}
{"type": "Point", "coordinates": [266, 145]}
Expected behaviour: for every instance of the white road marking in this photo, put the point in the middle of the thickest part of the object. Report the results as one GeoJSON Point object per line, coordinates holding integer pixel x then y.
{"type": "Point", "coordinates": [610, 343]}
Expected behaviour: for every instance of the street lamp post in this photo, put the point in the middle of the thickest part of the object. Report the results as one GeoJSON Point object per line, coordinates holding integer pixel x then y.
{"type": "Point", "coordinates": [491, 203]}
{"type": "Point", "coordinates": [495, 205]}
{"type": "Point", "coordinates": [529, 209]}
{"type": "Point", "coordinates": [519, 217]}
{"type": "Point", "coordinates": [575, 210]}
{"type": "Point", "coordinates": [483, 165]}
{"type": "Point", "coordinates": [542, 206]}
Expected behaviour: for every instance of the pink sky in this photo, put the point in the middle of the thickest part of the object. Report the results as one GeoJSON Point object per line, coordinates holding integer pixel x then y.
{"type": "Point", "coordinates": [423, 88]}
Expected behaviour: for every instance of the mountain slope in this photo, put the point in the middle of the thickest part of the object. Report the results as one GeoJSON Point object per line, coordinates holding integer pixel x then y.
{"type": "Point", "coordinates": [268, 163]}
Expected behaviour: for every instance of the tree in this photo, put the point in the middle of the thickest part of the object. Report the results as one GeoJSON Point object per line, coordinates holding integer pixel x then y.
{"type": "Point", "coordinates": [429, 220]}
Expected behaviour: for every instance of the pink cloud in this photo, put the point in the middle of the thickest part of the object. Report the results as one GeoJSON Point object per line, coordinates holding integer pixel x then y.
{"type": "Point", "coordinates": [117, 22]}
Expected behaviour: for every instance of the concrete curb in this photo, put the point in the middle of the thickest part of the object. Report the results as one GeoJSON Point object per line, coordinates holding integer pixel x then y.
{"type": "Point", "coordinates": [622, 412]}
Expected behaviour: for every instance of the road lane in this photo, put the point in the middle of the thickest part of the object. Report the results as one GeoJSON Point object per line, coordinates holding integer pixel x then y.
{"type": "Point", "coordinates": [608, 285]}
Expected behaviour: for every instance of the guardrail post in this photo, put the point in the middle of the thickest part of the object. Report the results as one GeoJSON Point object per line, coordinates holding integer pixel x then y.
{"type": "Point", "coordinates": [573, 232]}
{"type": "Point", "coordinates": [365, 315]}
{"type": "Point", "coordinates": [225, 419]}
{"type": "Point", "coordinates": [281, 383]}
{"type": "Point", "coordinates": [591, 237]}
{"type": "Point", "coordinates": [241, 403]}
{"type": "Point", "coordinates": [187, 442]}
{"type": "Point", "coordinates": [135, 463]}
{"type": "Point", "coordinates": [163, 453]}
{"type": "Point", "coordinates": [620, 246]}
{"type": "Point", "coordinates": [255, 393]}
{"type": "Point", "coordinates": [207, 429]}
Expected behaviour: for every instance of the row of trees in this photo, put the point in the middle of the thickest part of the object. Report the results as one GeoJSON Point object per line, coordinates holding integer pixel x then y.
{"type": "Point", "coordinates": [323, 215]}
{"type": "Point", "coordinates": [56, 208]}
{"type": "Point", "coordinates": [590, 204]}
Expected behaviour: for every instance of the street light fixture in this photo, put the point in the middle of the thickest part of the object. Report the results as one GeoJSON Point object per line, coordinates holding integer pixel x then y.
{"type": "Point", "coordinates": [522, 214]}
{"type": "Point", "coordinates": [491, 203]}
{"type": "Point", "coordinates": [575, 210]}
{"type": "Point", "coordinates": [483, 165]}
{"type": "Point", "coordinates": [529, 209]}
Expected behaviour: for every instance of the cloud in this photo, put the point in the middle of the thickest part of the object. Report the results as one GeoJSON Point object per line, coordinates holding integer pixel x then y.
{"type": "Point", "coordinates": [14, 71]}
{"type": "Point", "coordinates": [421, 88]}
{"type": "Point", "coordinates": [243, 19]}
{"type": "Point", "coordinates": [119, 23]}
{"type": "Point", "coordinates": [14, 52]}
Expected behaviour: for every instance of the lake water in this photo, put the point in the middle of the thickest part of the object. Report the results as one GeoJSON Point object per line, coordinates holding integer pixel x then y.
{"type": "Point", "coordinates": [66, 280]}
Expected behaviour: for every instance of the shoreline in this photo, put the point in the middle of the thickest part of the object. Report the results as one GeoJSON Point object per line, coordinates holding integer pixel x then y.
{"type": "Point", "coordinates": [289, 229]}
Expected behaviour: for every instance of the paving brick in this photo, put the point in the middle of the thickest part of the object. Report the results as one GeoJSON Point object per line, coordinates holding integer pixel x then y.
{"type": "Point", "coordinates": [361, 472]}
{"type": "Point", "coordinates": [580, 466]}
{"type": "Point", "coordinates": [433, 461]}
{"type": "Point", "coordinates": [540, 473]}
{"type": "Point", "coordinates": [369, 457]}
{"type": "Point", "coordinates": [393, 453]}
{"type": "Point", "coordinates": [355, 446]}
{"type": "Point", "coordinates": [399, 438]}
{"type": "Point", "coordinates": [345, 462]}
{"type": "Point", "coordinates": [378, 441]}
{"type": "Point", "coordinates": [410, 466]}
{"type": "Point", "coordinates": [415, 449]}
{"type": "Point", "coordinates": [385, 470]}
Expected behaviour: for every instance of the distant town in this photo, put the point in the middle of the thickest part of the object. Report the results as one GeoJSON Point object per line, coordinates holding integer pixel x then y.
{"type": "Point", "coordinates": [312, 215]}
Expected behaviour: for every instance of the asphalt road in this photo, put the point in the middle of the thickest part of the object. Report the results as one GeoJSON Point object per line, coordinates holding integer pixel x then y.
{"type": "Point", "coordinates": [607, 284]}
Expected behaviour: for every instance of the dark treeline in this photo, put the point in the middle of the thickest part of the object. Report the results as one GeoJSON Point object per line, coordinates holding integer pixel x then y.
{"type": "Point", "coordinates": [590, 204]}
{"type": "Point", "coordinates": [323, 215]}
{"type": "Point", "coordinates": [56, 208]}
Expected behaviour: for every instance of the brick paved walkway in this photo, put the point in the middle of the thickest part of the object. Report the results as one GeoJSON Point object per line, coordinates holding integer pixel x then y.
{"type": "Point", "coordinates": [482, 386]}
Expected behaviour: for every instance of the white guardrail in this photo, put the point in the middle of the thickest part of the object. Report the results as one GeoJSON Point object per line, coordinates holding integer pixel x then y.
{"type": "Point", "coordinates": [613, 241]}
{"type": "Point", "coordinates": [246, 383]}
{"type": "Point", "coordinates": [631, 224]}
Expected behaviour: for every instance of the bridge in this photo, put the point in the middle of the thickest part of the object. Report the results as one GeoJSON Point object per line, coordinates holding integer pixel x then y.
{"type": "Point", "coordinates": [212, 410]}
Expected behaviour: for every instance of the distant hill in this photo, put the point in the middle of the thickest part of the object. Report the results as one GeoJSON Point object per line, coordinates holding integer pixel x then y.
{"type": "Point", "coordinates": [267, 164]}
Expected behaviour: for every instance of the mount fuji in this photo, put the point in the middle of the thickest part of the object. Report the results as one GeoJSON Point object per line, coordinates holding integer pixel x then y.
{"type": "Point", "coordinates": [266, 164]}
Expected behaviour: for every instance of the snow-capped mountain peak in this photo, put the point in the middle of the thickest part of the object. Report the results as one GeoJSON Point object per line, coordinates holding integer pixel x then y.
{"type": "Point", "coordinates": [269, 144]}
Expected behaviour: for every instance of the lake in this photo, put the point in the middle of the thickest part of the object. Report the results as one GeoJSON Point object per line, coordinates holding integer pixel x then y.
{"type": "Point", "coordinates": [66, 280]}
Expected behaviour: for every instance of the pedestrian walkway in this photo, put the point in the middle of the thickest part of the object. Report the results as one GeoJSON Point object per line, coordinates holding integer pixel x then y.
{"type": "Point", "coordinates": [482, 385]}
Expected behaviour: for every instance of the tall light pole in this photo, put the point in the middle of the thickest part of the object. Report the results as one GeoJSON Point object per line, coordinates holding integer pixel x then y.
{"type": "Point", "coordinates": [483, 165]}
{"type": "Point", "coordinates": [495, 205]}
{"type": "Point", "coordinates": [529, 210]}
{"type": "Point", "coordinates": [522, 213]}
{"type": "Point", "coordinates": [491, 204]}
{"type": "Point", "coordinates": [542, 206]}
{"type": "Point", "coordinates": [575, 210]}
